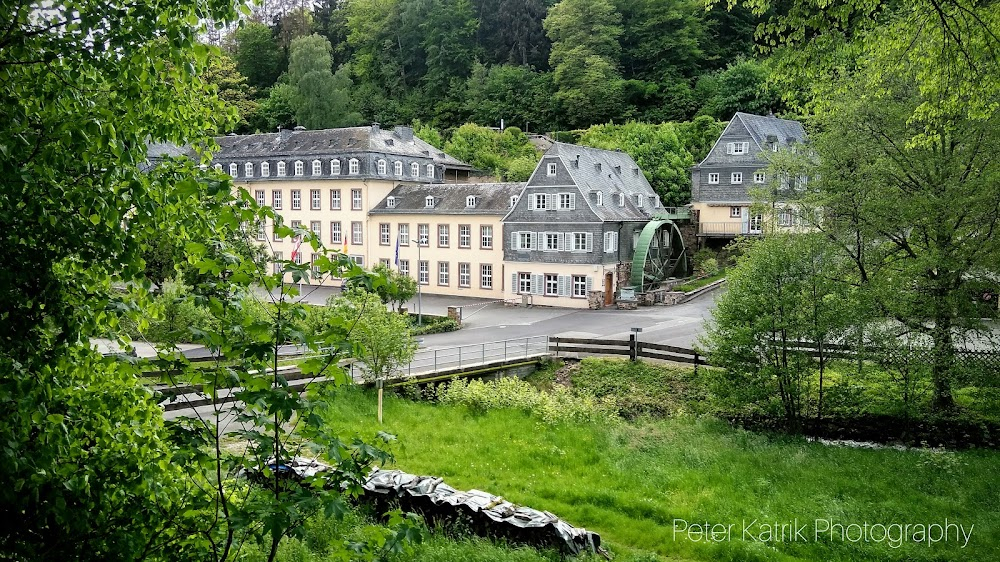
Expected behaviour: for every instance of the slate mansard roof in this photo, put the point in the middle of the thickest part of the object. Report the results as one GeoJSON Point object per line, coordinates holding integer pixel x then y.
{"type": "Point", "coordinates": [367, 144]}
{"type": "Point", "coordinates": [449, 199]}
{"type": "Point", "coordinates": [609, 172]}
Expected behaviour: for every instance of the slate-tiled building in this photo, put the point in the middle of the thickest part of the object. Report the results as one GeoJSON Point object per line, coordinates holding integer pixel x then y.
{"type": "Point", "coordinates": [574, 226]}
{"type": "Point", "coordinates": [459, 224]}
{"type": "Point", "coordinates": [720, 184]}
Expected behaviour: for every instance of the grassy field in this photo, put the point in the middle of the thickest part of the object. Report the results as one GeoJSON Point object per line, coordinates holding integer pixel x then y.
{"type": "Point", "coordinates": [631, 482]}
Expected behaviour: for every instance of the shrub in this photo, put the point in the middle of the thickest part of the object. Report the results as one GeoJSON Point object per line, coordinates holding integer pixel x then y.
{"type": "Point", "coordinates": [432, 325]}
{"type": "Point", "coordinates": [173, 313]}
{"type": "Point", "coordinates": [559, 405]}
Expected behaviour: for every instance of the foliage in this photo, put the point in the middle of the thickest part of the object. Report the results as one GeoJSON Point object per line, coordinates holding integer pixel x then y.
{"type": "Point", "coordinates": [636, 388]}
{"type": "Point", "coordinates": [686, 467]}
{"type": "Point", "coordinates": [232, 88]}
{"type": "Point", "coordinates": [432, 325]}
{"type": "Point", "coordinates": [516, 95]}
{"type": "Point", "coordinates": [561, 405]}
{"type": "Point", "coordinates": [380, 336]}
{"type": "Point", "coordinates": [708, 267]}
{"type": "Point", "coordinates": [322, 98]}
{"type": "Point", "coordinates": [658, 151]}
{"type": "Point", "coordinates": [257, 54]}
{"type": "Point", "coordinates": [498, 153]}
{"type": "Point", "coordinates": [742, 86]}
{"type": "Point", "coordinates": [397, 289]}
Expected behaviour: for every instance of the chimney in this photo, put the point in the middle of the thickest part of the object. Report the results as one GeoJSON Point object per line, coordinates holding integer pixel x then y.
{"type": "Point", "coordinates": [598, 166]}
{"type": "Point", "coordinates": [618, 170]}
{"type": "Point", "coordinates": [299, 128]}
{"type": "Point", "coordinates": [576, 163]}
{"type": "Point", "coordinates": [375, 128]}
{"type": "Point", "coordinates": [283, 134]}
{"type": "Point", "coordinates": [404, 133]}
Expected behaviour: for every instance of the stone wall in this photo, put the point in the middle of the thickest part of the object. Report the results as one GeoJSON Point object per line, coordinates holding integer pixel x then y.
{"type": "Point", "coordinates": [595, 300]}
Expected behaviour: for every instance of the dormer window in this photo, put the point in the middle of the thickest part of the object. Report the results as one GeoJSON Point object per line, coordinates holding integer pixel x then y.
{"type": "Point", "coordinates": [248, 169]}
{"type": "Point", "coordinates": [774, 146]}
{"type": "Point", "coordinates": [334, 167]}
{"type": "Point", "coordinates": [317, 168]}
{"type": "Point", "coordinates": [397, 168]}
{"type": "Point", "coordinates": [300, 168]}
{"type": "Point", "coordinates": [621, 199]}
{"type": "Point", "coordinates": [429, 202]}
{"type": "Point", "coordinates": [382, 168]}
{"type": "Point", "coordinates": [233, 169]}
{"type": "Point", "coordinates": [513, 200]}
{"type": "Point", "coordinates": [551, 169]}
{"type": "Point", "coordinates": [470, 201]}
{"type": "Point", "coordinates": [654, 201]}
{"type": "Point", "coordinates": [353, 167]}
{"type": "Point", "coordinates": [281, 169]}
{"type": "Point", "coordinates": [390, 202]}
{"type": "Point", "coordinates": [430, 171]}
{"type": "Point", "coordinates": [265, 170]}
{"type": "Point", "coordinates": [218, 167]}
{"type": "Point", "coordinates": [600, 198]}
{"type": "Point", "coordinates": [638, 200]}
{"type": "Point", "coordinates": [415, 170]}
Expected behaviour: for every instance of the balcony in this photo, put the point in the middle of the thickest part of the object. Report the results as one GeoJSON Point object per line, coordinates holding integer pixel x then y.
{"type": "Point", "coordinates": [727, 229]}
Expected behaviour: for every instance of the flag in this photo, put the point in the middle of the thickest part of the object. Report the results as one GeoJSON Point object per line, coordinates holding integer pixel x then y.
{"type": "Point", "coordinates": [298, 244]}
{"type": "Point", "coordinates": [397, 251]}
{"type": "Point", "coordinates": [345, 243]}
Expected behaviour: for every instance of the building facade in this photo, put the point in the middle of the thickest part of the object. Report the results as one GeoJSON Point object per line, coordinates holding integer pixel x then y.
{"type": "Point", "coordinates": [573, 228]}
{"type": "Point", "coordinates": [326, 181]}
{"type": "Point", "coordinates": [737, 163]}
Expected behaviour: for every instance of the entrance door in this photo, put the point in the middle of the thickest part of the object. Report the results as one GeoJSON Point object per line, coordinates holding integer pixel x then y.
{"type": "Point", "coordinates": [755, 223]}
{"type": "Point", "coordinates": [609, 289]}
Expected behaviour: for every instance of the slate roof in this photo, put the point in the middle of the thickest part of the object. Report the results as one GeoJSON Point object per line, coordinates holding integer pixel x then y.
{"type": "Point", "coordinates": [618, 173]}
{"type": "Point", "coordinates": [450, 199]}
{"type": "Point", "coordinates": [761, 127]}
{"type": "Point", "coordinates": [157, 151]}
{"type": "Point", "coordinates": [348, 140]}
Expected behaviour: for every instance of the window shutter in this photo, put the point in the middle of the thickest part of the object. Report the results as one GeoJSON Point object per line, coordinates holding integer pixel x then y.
{"type": "Point", "coordinates": [730, 147]}
{"type": "Point", "coordinates": [513, 283]}
{"type": "Point", "coordinates": [538, 241]}
{"type": "Point", "coordinates": [551, 201]}
{"type": "Point", "coordinates": [513, 240]}
{"type": "Point", "coordinates": [564, 286]}
{"type": "Point", "coordinates": [562, 241]}
{"type": "Point", "coordinates": [537, 282]}
{"type": "Point", "coordinates": [590, 242]}
{"type": "Point", "coordinates": [572, 201]}
{"type": "Point", "coordinates": [588, 284]}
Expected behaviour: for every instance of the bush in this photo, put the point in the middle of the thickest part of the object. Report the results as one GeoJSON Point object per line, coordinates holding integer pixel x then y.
{"type": "Point", "coordinates": [432, 325]}
{"type": "Point", "coordinates": [709, 267]}
{"type": "Point", "coordinates": [559, 405]}
{"type": "Point", "coordinates": [172, 315]}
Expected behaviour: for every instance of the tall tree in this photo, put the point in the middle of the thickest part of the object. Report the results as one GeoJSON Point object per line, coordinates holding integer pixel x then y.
{"type": "Point", "coordinates": [322, 98]}
{"type": "Point", "coordinates": [510, 31]}
{"type": "Point", "coordinates": [232, 88]}
{"type": "Point", "coordinates": [257, 55]}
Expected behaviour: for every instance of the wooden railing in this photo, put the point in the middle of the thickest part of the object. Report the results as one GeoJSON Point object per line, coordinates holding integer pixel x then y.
{"type": "Point", "coordinates": [631, 347]}
{"type": "Point", "coordinates": [724, 228]}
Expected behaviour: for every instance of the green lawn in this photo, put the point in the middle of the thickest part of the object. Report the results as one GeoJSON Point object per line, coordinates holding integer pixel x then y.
{"type": "Point", "coordinates": [699, 283]}
{"type": "Point", "coordinates": [630, 482]}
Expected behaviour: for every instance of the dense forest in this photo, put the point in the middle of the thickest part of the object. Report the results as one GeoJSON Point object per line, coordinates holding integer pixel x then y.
{"type": "Point", "coordinates": [539, 65]}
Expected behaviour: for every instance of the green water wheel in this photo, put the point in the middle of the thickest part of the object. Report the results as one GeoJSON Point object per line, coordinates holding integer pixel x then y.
{"type": "Point", "coordinates": [659, 255]}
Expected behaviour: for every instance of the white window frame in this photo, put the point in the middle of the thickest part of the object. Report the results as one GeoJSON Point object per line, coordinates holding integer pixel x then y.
{"type": "Point", "coordinates": [265, 170]}
{"type": "Point", "coordinates": [276, 199]}
{"type": "Point", "coordinates": [486, 276]}
{"type": "Point", "coordinates": [583, 242]}
{"type": "Point", "coordinates": [759, 177]}
{"type": "Point", "coordinates": [357, 203]}
{"type": "Point", "coordinates": [384, 234]}
{"type": "Point", "coordinates": [525, 241]}
{"type": "Point", "coordinates": [353, 167]}
{"type": "Point", "coordinates": [248, 169]}
{"type": "Point", "coordinates": [464, 274]}
{"type": "Point", "coordinates": [638, 200]}
{"type": "Point", "coordinates": [551, 168]}
{"type": "Point", "coordinates": [713, 178]}
{"type": "Point", "coordinates": [430, 171]}
{"type": "Point", "coordinates": [424, 234]}
{"type": "Point", "coordinates": [567, 201]}
{"type": "Point", "coordinates": [317, 168]}
{"type": "Point", "coordinates": [470, 202]}
{"type": "Point", "coordinates": [403, 233]}
{"type": "Point", "coordinates": [539, 201]}
{"type": "Point", "coordinates": [600, 198]}
{"type": "Point", "coordinates": [429, 202]}
{"type": "Point", "coordinates": [523, 283]}
{"type": "Point", "coordinates": [382, 167]}
{"type": "Point", "coordinates": [465, 236]}
{"type": "Point", "coordinates": [335, 167]}
{"type": "Point", "coordinates": [336, 233]}
{"type": "Point", "coordinates": [424, 272]}
{"type": "Point", "coordinates": [316, 199]}
{"type": "Point", "coordinates": [443, 273]}
{"type": "Point", "coordinates": [281, 168]}
{"type": "Point", "coordinates": [610, 242]}
{"type": "Point", "coordinates": [738, 148]}
{"type": "Point", "coordinates": [335, 200]}
{"type": "Point", "coordinates": [259, 196]}
{"type": "Point", "coordinates": [404, 267]}
{"type": "Point", "coordinates": [579, 286]}
{"type": "Point", "coordinates": [513, 200]}
{"type": "Point", "coordinates": [300, 168]}
{"type": "Point", "coordinates": [551, 242]}
{"type": "Point", "coordinates": [736, 178]}
{"type": "Point", "coordinates": [415, 169]}
{"type": "Point", "coordinates": [786, 218]}
{"type": "Point", "coordinates": [486, 237]}
{"type": "Point", "coordinates": [444, 235]}
{"type": "Point", "coordinates": [550, 285]}
{"type": "Point", "coordinates": [234, 169]}
{"type": "Point", "coordinates": [397, 168]}
{"type": "Point", "coordinates": [296, 199]}
{"type": "Point", "coordinates": [390, 202]}
{"type": "Point", "coordinates": [357, 233]}
{"type": "Point", "coordinates": [735, 212]}
{"type": "Point", "coordinates": [276, 262]}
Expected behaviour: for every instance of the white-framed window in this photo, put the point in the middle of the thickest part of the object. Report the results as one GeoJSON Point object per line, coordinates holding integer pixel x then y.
{"type": "Point", "coordinates": [443, 236]}
{"type": "Point", "coordinates": [300, 168]}
{"type": "Point", "coordinates": [390, 202]}
{"type": "Point", "coordinates": [442, 273]}
{"type": "Point", "coordinates": [424, 272]}
{"type": "Point", "coordinates": [281, 169]}
{"type": "Point", "coordinates": [759, 177]}
{"type": "Point", "coordinates": [404, 267]}
{"type": "Point", "coordinates": [736, 177]}
{"type": "Point", "coordinates": [785, 218]}
{"type": "Point", "coordinates": [415, 169]}
{"type": "Point", "coordinates": [525, 240]}
{"type": "Point", "coordinates": [551, 241]}
{"type": "Point", "coordinates": [464, 275]}
{"type": "Point", "coordinates": [551, 169]}
{"type": "Point", "coordinates": [335, 199]}
{"type": "Point", "coordinates": [470, 201]}
{"type": "Point", "coordinates": [567, 201]}
{"type": "Point", "coordinates": [551, 285]}
{"type": "Point", "coordinates": [277, 237]}
{"type": "Point", "coordinates": [600, 198]}
{"type": "Point", "coordinates": [297, 257]}
{"type": "Point", "coordinates": [774, 146]}
{"type": "Point", "coordinates": [276, 199]}
{"type": "Point", "coordinates": [397, 168]}
{"type": "Point", "coordinates": [429, 202]}
{"type": "Point", "coordinates": [583, 242]}
{"type": "Point", "coordinates": [738, 147]}
{"type": "Point", "coordinates": [424, 235]}
{"type": "Point", "coordinates": [316, 228]}
{"type": "Point", "coordinates": [486, 237]}
{"type": "Point", "coordinates": [296, 199]}
{"type": "Point", "coordinates": [360, 260]}
{"type": "Point", "coordinates": [218, 167]}
{"type": "Point", "coordinates": [248, 169]}
{"type": "Point", "coordinates": [317, 168]}
{"type": "Point", "coordinates": [234, 169]}
{"type": "Point", "coordinates": [383, 261]}
{"type": "Point", "coordinates": [735, 212]}
{"type": "Point", "coordinates": [356, 199]}
{"type": "Point", "coordinates": [384, 234]}
{"type": "Point", "coordinates": [540, 201]}
{"type": "Point", "coordinates": [353, 167]}
{"type": "Point", "coordinates": [579, 286]}
{"type": "Point", "coordinates": [278, 257]}
{"type": "Point", "coordinates": [315, 199]}
{"type": "Point", "coordinates": [464, 236]}
{"type": "Point", "coordinates": [486, 276]}
{"type": "Point", "coordinates": [610, 242]}
{"type": "Point", "coordinates": [336, 234]}
{"type": "Point", "coordinates": [258, 196]}
{"type": "Point", "coordinates": [404, 234]}
{"type": "Point", "coordinates": [638, 200]}
{"type": "Point", "coordinates": [382, 167]}
{"type": "Point", "coordinates": [357, 233]}
{"type": "Point", "coordinates": [334, 167]}
{"type": "Point", "coordinates": [621, 199]}
{"type": "Point", "coordinates": [261, 232]}
{"type": "Point", "coordinates": [430, 171]}
{"type": "Point", "coordinates": [524, 283]}
{"type": "Point", "coordinates": [513, 200]}
{"type": "Point", "coordinates": [265, 170]}
{"type": "Point", "coordinates": [713, 178]}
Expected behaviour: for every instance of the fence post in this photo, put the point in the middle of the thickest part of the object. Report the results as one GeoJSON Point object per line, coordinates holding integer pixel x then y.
{"type": "Point", "coordinates": [525, 348]}
{"type": "Point", "coordinates": [697, 359]}
{"type": "Point", "coordinates": [632, 351]}
{"type": "Point", "coordinates": [435, 361]}
{"type": "Point", "coordinates": [459, 357]}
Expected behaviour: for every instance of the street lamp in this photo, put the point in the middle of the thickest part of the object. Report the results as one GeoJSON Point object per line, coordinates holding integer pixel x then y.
{"type": "Point", "coordinates": [420, 309]}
